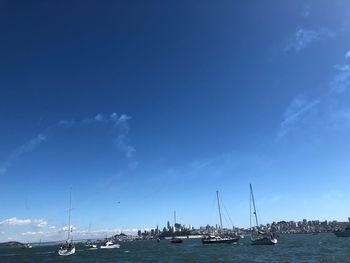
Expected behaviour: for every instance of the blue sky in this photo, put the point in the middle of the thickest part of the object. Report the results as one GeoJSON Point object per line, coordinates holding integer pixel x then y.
{"type": "Point", "coordinates": [158, 104]}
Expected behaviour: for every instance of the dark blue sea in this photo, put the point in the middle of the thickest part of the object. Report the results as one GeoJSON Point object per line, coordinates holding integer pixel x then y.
{"type": "Point", "coordinates": [290, 248]}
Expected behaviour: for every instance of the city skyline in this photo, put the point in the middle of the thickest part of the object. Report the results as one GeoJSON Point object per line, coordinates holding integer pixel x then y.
{"type": "Point", "coordinates": [146, 108]}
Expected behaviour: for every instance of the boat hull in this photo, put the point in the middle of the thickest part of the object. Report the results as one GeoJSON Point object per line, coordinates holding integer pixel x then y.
{"type": "Point", "coordinates": [220, 241]}
{"type": "Point", "coordinates": [264, 241]}
{"type": "Point", "coordinates": [66, 252]}
{"type": "Point", "coordinates": [345, 233]}
{"type": "Point", "coordinates": [176, 241]}
{"type": "Point", "coordinates": [110, 247]}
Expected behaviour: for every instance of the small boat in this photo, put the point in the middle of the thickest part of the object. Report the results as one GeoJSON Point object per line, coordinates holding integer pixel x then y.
{"type": "Point", "coordinates": [109, 245]}
{"type": "Point", "coordinates": [27, 246]}
{"type": "Point", "coordinates": [259, 237]}
{"type": "Point", "coordinates": [68, 248]}
{"type": "Point", "coordinates": [264, 239]}
{"type": "Point", "coordinates": [90, 245]}
{"type": "Point", "coordinates": [342, 232]}
{"type": "Point", "coordinates": [219, 238]}
{"type": "Point", "coordinates": [176, 240]}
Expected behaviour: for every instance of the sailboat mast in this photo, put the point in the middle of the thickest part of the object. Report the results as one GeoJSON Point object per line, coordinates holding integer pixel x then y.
{"type": "Point", "coordinates": [252, 196]}
{"type": "Point", "coordinates": [70, 208]}
{"type": "Point", "coordinates": [174, 218]}
{"type": "Point", "coordinates": [217, 197]}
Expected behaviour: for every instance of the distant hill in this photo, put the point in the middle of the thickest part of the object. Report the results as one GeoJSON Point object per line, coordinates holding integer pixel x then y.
{"type": "Point", "coordinates": [12, 244]}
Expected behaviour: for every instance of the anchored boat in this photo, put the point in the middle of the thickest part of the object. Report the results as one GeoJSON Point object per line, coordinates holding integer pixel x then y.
{"type": "Point", "coordinates": [109, 245]}
{"type": "Point", "coordinates": [259, 237]}
{"type": "Point", "coordinates": [68, 248]}
{"type": "Point", "coordinates": [219, 238]}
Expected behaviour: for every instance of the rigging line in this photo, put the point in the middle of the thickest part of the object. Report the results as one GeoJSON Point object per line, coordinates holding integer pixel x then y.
{"type": "Point", "coordinates": [255, 212]}
{"type": "Point", "coordinates": [228, 214]}
{"type": "Point", "coordinates": [213, 206]}
{"type": "Point", "coordinates": [225, 219]}
{"type": "Point", "coordinates": [217, 197]}
{"type": "Point", "coordinates": [250, 210]}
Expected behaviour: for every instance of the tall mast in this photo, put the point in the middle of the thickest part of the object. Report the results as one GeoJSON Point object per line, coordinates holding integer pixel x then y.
{"type": "Point", "coordinates": [174, 218]}
{"type": "Point", "coordinates": [217, 197]}
{"type": "Point", "coordinates": [70, 208]}
{"type": "Point", "coordinates": [252, 196]}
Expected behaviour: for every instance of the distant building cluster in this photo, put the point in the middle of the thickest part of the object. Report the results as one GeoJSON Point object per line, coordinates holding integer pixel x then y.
{"type": "Point", "coordinates": [281, 227]}
{"type": "Point", "coordinates": [304, 226]}
{"type": "Point", "coordinates": [168, 231]}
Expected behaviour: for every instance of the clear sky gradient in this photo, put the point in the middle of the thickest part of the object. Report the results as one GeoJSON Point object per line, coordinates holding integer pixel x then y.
{"type": "Point", "coordinates": [158, 104]}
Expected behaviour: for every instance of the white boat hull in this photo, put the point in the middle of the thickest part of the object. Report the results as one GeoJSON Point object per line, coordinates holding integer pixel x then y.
{"type": "Point", "coordinates": [110, 246]}
{"type": "Point", "coordinates": [66, 252]}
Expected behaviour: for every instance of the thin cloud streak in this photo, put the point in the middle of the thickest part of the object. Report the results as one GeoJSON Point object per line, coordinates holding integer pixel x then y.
{"type": "Point", "coordinates": [306, 10]}
{"type": "Point", "coordinates": [347, 55]}
{"type": "Point", "coordinates": [304, 37]}
{"type": "Point", "coordinates": [341, 81]}
{"type": "Point", "coordinates": [294, 112]}
{"type": "Point", "coordinates": [119, 126]}
{"type": "Point", "coordinates": [300, 106]}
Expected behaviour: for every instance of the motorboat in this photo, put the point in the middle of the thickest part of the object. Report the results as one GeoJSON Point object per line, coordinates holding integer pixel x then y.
{"type": "Point", "coordinates": [109, 245]}
{"type": "Point", "coordinates": [90, 245]}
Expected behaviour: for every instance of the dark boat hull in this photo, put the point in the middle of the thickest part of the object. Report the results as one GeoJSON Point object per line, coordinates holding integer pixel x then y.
{"type": "Point", "coordinates": [220, 241]}
{"type": "Point", "coordinates": [176, 240]}
{"type": "Point", "coordinates": [264, 241]}
{"type": "Point", "coordinates": [342, 233]}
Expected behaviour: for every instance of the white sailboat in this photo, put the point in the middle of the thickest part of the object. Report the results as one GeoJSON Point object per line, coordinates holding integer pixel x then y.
{"type": "Point", "coordinates": [259, 237]}
{"type": "Point", "coordinates": [68, 248]}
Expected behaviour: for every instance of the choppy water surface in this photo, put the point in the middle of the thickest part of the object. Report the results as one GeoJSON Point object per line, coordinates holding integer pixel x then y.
{"type": "Point", "coordinates": [290, 248]}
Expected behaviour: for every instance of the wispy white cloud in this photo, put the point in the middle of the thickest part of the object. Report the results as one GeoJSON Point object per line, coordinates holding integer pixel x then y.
{"type": "Point", "coordinates": [24, 148]}
{"type": "Point", "coordinates": [40, 222]}
{"type": "Point", "coordinates": [347, 55]}
{"type": "Point", "coordinates": [14, 221]}
{"type": "Point", "coordinates": [304, 37]}
{"type": "Point", "coordinates": [306, 10]}
{"type": "Point", "coordinates": [32, 233]}
{"type": "Point", "coordinates": [300, 106]}
{"type": "Point", "coordinates": [118, 123]}
{"type": "Point", "coordinates": [341, 80]}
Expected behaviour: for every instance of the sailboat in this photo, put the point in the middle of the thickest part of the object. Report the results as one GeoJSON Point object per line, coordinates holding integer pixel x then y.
{"type": "Point", "coordinates": [175, 240]}
{"type": "Point", "coordinates": [259, 237]}
{"type": "Point", "coordinates": [89, 244]}
{"type": "Point", "coordinates": [68, 248]}
{"type": "Point", "coordinates": [219, 238]}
